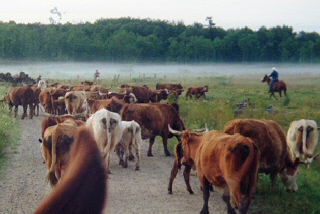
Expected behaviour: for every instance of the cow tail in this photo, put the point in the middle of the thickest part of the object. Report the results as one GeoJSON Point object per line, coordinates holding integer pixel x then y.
{"type": "Point", "coordinates": [51, 174]}
{"type": "Point", "coordinates": [134, 134]}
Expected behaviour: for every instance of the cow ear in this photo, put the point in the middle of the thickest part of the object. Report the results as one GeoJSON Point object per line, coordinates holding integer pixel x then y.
{"type": "Point", "coordinates": [58, 119]}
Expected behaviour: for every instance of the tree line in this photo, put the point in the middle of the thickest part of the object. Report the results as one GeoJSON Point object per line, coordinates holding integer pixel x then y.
{"type": "Point", "coordinates": [146, 40]}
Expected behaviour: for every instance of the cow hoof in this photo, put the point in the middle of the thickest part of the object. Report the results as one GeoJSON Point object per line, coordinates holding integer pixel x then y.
{"type": "Point", "coordinates": [131, 157]}
{"type": "Point", "coordinates": [168, 154]}
{"type": "Point", "coordinates": [137, 168]}
{"type": "Point", "coordinates": [125, 165]}
{"type": "Point", "coordinates": [150, 155]}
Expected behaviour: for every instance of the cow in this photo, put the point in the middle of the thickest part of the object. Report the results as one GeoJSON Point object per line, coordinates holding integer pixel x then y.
{"type": "Point", "coordinates": [36, 95]}
{"type": "Point", "coordinates": [143, 94]}
{"type": "Point", "coordinates": [302, 139]}
{"type": "Point", "coordinates": [60, 105]}
{"type": "Point", "coordinates": [74, 101]}
{"type": "Point", "coordinates": [42, 84]}
{"type": "Point", "coordinates": [158, 95]}
{"type": "Point", "coordinates": [56, 85]}
{"type": "Point", "coordinates": [55, 94]}
{"type": "Point", "coordinates": [45, 100]}
{"type": "Point", "coordinates": [113, 104]}
{"type": "Point", "coordinates": [168, 86]}
{"type": "Point", "coordinates": [100, 91]}
{"type": "Point", "coordinates": [21, 96]}
{"type": "Point", "coordinates": [107, 131]}
{"type": "Point", "coordinates": [197, 92]}
{"type": "Point", "coordinates": [154, 119]}
{"type": "Point", "coordinates": [226, 161]}
{"type": "Point", "coordinates": [56, 144]}
{"type": "Point", "coordinates": [128, 97]}
{"type": "Point", "coordinates": [83, 187]}
{"type": "Point", "coordinates": [271, 141]}
{"type": "Point", "coordinates": [131, 137]}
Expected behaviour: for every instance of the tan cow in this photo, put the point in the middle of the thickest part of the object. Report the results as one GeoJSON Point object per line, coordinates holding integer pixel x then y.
{"type": "Point", "coordinates": [107, 131]}
{"type": "Point", "coordinates": [56, 144]}
{"type": "Point", "coordinates": [131, 137]}
{"type": "Point", "coordinates": [229, 162]}
{"type": "Point", "coordinates": [74, 102]}
{"type": "Point", "coordinates": [83, 187]}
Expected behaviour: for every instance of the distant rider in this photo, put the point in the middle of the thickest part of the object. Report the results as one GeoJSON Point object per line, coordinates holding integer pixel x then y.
{"type": "Point", "coordinates": [96, 76]}
{"type": "Point", "coordinates": [274, 76]}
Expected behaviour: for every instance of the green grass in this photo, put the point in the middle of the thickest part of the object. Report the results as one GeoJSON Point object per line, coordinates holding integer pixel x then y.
{"type": "Point", "coordinates": [9, 130]}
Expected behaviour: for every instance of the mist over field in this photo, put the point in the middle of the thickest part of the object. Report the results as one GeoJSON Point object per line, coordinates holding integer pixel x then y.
{"type": "Point", "coordinates": [85, 70]}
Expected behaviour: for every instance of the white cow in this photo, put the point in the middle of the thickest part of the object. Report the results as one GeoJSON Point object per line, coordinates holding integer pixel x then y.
{"type": "Point", "coordinates": [131, 137]}
{"type": "Point", "coordinates": [302, 138]}
{"type": "Point", "coordinates": [42, 84]}
{"type": "Point", "coordinates": [107, 130]}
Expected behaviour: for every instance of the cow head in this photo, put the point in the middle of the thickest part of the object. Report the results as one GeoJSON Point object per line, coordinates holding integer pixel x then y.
{"type": "Point", "coordinates": [289, 176]}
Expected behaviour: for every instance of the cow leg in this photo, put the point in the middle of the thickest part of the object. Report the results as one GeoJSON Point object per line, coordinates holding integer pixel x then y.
{"type": "Point", "coordinates": [119, 151]}
{"type": "Point", "coordinates": [151, 142]}
{"type": "Point", "coordinates": [186, 175]}
{"type": "Point", "coordinates": [174, 172]}
{"type": "Point", "coordinates": [137, 148]}
{"type": "Point", "coordinates": [226, 199]}
{"type": "Point", "coordinates": [205, 193]}
{"type": "Point", "coordinates": [16, 112]}
{"type": "Point", "coordinates": [30, 110]}
{"type": "Point", "coordinates": [273, 178]}
{"type": "Point", "coordinates": [126, 156]}
{"type": "Point", "coordinates": [165, 146]}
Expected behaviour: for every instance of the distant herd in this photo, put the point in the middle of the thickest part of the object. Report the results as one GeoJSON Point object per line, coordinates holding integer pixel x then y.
{"type": "Point", "coordinates": [85, 124]}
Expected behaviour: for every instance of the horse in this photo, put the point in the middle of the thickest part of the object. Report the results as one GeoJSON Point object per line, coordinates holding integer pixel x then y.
{"type": "Point", "coordinates": [277, 86]}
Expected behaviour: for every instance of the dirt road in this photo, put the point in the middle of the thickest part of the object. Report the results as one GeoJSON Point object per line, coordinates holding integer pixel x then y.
{"type": "Point", "coordinates": [23, 186]}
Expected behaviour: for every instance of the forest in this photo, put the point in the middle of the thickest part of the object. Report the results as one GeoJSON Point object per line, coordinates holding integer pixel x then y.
{"type": "Point", "coordinates": [146, 40]}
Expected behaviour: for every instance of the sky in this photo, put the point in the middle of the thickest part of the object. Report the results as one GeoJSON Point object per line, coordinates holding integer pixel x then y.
{"type": "Point", "coordinates": [301, 15]}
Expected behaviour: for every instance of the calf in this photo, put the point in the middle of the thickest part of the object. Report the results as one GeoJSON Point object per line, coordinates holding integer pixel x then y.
{"type": "Point", "coordinates": [302, 138]}
{"type": "Point", "coordinates": [197, 91]}
{"type": "Point", "coordinates": [226, 161]}
{"type": "Point", "coordinates": [131, 137]}
{"type": "Point", "coordinates": [107, 130]}
{"type": "Point", "coordinates": [83, 187]}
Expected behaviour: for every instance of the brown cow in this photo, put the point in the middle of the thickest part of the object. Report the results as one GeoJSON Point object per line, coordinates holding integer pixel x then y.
{"type": "Point", "coordinates": [45, 100]}
{"type": "Point", "coordinates": [271, 141]}
{"type": "Point", "coordinates": [100, 91]}
{"type": "Point", "coordinates": [55, 94]}
{"type": "Point", "coordinates": [197, 91]}
{"type": "Point", "coordinates": [60, 105]}
{"type": "Point", "coordinates": [83, 187]}
{"type": "Point", "coordinates": [168, 86]}
{"type": "Point", "coordinates": [74, 101]}
{"type": "Point", "coordinates": [113, 104]}
{"type": "Point", "coordinates": [56, 144]}
{"type": "Point", "coordinates": [158, 95]}
{"type": "Point", "coordinates": [226, 161]}
{"type": "Point", "coordinates": [36, 95]}
{"type": "Point", "coordinates": [20, 96]}
{"type": "Point", "coordinates": [154, 119]}
{"type": "Point", "coordinates": [142, 93]}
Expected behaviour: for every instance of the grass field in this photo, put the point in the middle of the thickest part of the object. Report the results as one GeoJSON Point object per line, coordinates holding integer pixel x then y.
{"type": "Point", "coordinates": [302, 101]}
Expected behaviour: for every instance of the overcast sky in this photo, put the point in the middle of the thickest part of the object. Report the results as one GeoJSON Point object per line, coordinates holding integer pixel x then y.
{"type": "Point", "coordinates": [302, 15]}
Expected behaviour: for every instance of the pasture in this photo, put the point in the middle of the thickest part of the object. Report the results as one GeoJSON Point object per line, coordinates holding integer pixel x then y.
{"type": "Point", "coordinates": [217, 108]}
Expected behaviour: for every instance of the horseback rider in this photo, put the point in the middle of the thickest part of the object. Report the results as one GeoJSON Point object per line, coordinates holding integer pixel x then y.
{"type": "Point", "coordinates": [274, 76]}
{"type": "Point", "coordinates": [96, 76]}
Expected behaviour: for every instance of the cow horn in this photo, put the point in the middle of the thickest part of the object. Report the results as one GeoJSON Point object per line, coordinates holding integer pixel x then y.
{"type": "Point", "coordinates": [205, 129]}
{"type": "Point", "coordinates": [110, 87]}
{"type": "Point", "coordinates": [175, 132]}
{"type": "Point", "coordinates": [310, 160]}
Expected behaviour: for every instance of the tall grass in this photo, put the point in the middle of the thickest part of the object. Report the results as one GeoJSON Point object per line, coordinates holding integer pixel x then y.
{"type": "Point", "coordinates": [9, 130]}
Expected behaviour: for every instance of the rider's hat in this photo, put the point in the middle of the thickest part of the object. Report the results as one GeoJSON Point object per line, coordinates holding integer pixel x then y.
{"type": "Point", "coordinates": [274, 69]}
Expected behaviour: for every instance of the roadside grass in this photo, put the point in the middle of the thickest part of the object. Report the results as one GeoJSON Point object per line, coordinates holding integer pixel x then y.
{"type": "Point", "coordinates": [9, 131]}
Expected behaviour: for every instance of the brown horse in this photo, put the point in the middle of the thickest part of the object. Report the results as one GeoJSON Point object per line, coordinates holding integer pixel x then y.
{"type": "Point", "coordinates": [277, 86]}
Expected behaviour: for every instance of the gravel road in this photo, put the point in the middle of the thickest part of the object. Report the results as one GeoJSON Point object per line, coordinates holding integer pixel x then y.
{"type": "Point", "coordinates": [23, 186]}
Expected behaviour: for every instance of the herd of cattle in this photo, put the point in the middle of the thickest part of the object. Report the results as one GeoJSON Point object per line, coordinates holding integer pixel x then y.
{"type": "Point", "coordinates": [88, 123]}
